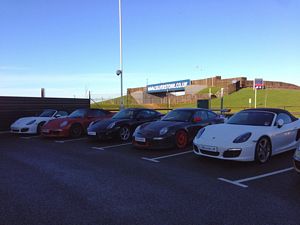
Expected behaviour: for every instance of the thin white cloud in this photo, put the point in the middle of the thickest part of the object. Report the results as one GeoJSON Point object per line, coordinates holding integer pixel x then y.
{"type": "Point", "coordinates": [13, 68]}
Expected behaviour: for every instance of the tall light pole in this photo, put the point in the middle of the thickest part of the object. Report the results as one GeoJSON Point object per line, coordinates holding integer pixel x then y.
{"type": "Point", "coordinates": [120, 71]}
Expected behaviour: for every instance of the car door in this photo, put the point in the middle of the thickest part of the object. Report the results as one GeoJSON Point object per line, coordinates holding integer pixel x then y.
{"type": "Point", "coordinates": [144, 116]}
{"type": "Point", "coordinates": [199, 119]}
{"type": "Point", "coordinates": [284, 137]}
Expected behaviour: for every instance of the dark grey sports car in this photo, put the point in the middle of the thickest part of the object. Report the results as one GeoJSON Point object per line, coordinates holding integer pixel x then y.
{"type": "Point", "coordinates": [122, 124]}
{"type": "Point", "coordinates": [178, 128]}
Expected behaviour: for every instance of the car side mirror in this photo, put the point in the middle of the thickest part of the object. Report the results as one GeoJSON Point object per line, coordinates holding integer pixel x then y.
{"type": "Point", "coordinates": [197, 119]}
{"type": "Point", "coordinates": [280, 123]}
{"type": "Point", "coordinates": [57, 116]}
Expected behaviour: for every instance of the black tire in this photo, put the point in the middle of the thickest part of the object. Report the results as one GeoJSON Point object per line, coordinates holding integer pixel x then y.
{"type": "Point", "coordinates": [76, 131]}
{"type": "Point", "coordinates": [125, 133]}
{"type": "Point", "coordinates": [181, 139]}
{"type": "Point", "coordinates": [263, 150]}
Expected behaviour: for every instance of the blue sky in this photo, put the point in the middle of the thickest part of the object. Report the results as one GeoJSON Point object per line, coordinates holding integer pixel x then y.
{"type": "Point", "coordinates": [69, 47]}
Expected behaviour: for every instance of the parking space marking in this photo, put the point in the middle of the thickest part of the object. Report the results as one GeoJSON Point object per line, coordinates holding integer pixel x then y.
{"type": "Point", "coordinates": [5, 132]}
{"type": "Point", "coordinates": [165, 156]}
{"type": "Point", "coordinates": [240, 181]}
{"type": "Point", "coordinates": [98, 148]}
{"type": "Point", "coordinates": [27, 138]}
{"type": "Point", "coordinates": [110, 146]}
{"type": "Point", "coordinates": [71, 140]}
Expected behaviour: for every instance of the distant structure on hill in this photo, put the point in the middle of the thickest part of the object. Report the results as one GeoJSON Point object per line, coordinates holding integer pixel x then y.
{"type": "Point", "coordinates": [192, 90]}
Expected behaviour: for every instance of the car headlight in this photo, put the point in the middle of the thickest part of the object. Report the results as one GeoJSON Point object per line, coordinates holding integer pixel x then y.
{"type": "Point", "coordinates": [63, 124]}
{"type": "Point", "coordinates": [200, 132]}
{"type": "Point", "coordinates": [110, 126]}
{"type": "Point", "coordinates": [91, 124]}
{"type": "Point", "coordinates": [136, 130]}
{"type": "Point", "coordinates": [242, 138]}
{"type": "Point", "coordinates": [30, 122]}
{"type": "Point", "coordinates": [163, 131]}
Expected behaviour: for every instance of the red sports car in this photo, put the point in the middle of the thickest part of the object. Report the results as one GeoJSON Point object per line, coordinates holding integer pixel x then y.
{"type": "Point", "coordinates": [75, 124]}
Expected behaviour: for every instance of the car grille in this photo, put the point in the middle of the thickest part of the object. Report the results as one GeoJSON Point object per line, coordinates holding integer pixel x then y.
{"type": "Point", "coordinates": [231, 154]}
{"type": "Point", "coordinates": [209, 152]}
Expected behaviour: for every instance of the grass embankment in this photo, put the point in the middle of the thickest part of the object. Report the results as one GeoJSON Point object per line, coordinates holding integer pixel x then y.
{"type": "Point", "coordinates": [115, 103]}
{"type": "Point", "coordinates": [214, 90]}
{"type": "Point", "coordinates": [277, 98]}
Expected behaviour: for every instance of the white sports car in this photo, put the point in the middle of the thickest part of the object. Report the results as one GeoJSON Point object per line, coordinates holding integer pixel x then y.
{"type": "Point", "coordinates": [252, 134]}
{"type": "Point", "coordinates": [32, 125]}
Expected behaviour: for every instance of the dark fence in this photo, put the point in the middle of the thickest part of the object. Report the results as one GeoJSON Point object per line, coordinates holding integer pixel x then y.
{"type": "Point", "coordinates": [12, 108]}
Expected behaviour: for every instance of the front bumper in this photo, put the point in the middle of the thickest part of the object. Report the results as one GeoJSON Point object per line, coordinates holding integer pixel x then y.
{"type": "Point", "coordinates": [104, 134]}
{"type": "Point", "coordinates": [23, 130]}
{"type": "Point", "coordinates": [55, 132]}
{"type": "Point", "coordinates": [241, 152]}
{"type": "Point", "coordinates": [153, 142]}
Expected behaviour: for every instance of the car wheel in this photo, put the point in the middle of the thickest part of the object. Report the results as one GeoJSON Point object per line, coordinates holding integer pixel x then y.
{"type": "Point", "coordinates": [263, 150]}
{"type": "Point", "coordinates": [76, 131]}
{"type": "Point", "coordinates": [181, 139]}
{"type": "Point", "coordinates": [124, 133]}
{"type": "Point", "coordinates": [39, 127]}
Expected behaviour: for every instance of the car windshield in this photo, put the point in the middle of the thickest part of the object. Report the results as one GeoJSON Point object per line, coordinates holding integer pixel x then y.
{"type": "Point", "coordinates": [79, 113]}
{"type": "Point", "coordinates": [125, 114]}
{"type": "Point", "coordinates": [48, 113]}
{"type": "Point", "coordinates": [178, 115]}
{"type": "Point", "coordinates": [252, 118]}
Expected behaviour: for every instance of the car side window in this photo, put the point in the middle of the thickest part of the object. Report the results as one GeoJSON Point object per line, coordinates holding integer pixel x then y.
{"type": "Point", "coordinates": [95, 113]}
{"type": "Point", "coordinates": [145, 114]}
{"type": "Point", "coordinates": [201, 114]}
{"type": "Point", "coordinates": [285, 117]}
{"type": "Point", "coordinates": [153, 113]}
{"type": "Point", "coordinates": [62, 113]}
{"type": "Point", "coordinates": [211, 115]}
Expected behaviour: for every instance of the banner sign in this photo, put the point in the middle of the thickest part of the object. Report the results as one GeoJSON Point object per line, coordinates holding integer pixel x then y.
{"type": "Point", "coordinates": [168, 87]}
{"type": "Point", "coordinates": [258, 83]}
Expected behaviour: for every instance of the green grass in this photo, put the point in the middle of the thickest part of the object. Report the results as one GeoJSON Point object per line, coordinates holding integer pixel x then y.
{"type": "Point", "coordinates": [277, 98]}
{"type": "Point", "coordinates": [214, 90]}
{"type": "Point", "coordinates": [115, 103]}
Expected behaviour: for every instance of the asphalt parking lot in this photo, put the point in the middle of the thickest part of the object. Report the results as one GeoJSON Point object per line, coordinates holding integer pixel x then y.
{"type": "Point", "coordinates": [65, 181]}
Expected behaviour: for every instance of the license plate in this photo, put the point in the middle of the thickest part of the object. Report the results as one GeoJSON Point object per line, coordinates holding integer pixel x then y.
{"type": "Point", "coordinates": [139, 139]}
{"type": "Point", "coordinates": [45, 131]}
{"type": "Point", "coordinates": [209, 148]}
{"type": "Point", "coordinates": [92, 133]}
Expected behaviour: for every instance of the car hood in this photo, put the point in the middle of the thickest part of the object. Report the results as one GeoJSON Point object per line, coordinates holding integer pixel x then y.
{"type": "Point", "coordinates": [25, 120]}
{"type": "Point", "coordinates": [55, 123]}
{"type": "Point", "coordinates": [102, 124]}
{"type": "Point", "coordinates": [226, 133]}
{"type": "Point", "coordinates": [153, 128]}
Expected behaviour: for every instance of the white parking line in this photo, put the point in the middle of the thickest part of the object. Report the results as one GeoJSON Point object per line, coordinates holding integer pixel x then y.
{"type": "Point", "coordinates": [27, 138]}
{"type": "Point", "coordinates": [110, 146]}
{"type": "Point", "coordinates": [165, 156]}
{"type": "Point", "coordinates": [5, 132]}
{"type": "Point", "coordinates": [71, 140]}
{"type": "Point", "coordinates": [240, 181]}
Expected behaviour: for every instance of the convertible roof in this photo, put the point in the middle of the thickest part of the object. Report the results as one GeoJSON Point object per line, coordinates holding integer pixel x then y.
{"type": "Point", "coordinates": [273, 110]}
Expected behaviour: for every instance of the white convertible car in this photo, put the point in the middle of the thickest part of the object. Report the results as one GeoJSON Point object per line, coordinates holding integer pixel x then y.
{"type": "Point", "coordinates": [252, 134]}
{"type": "Point", "coordinates": [32, 125]}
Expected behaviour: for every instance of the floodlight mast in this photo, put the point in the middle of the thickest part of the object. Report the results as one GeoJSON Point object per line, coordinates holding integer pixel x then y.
{"type": "Point", "coordinates": [120, 71]}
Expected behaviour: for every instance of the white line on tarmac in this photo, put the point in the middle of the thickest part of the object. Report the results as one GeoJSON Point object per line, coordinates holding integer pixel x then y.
{"type": "Point", "coordinates": [240, 181]}
{"type": "Point", "coordinates": [110, 146]}
{"type": "Point", "coordinates": [71, 140]}
{"type": "Point", "coordinates": [27, 138]}
{"type": "Point", "coordinates": [5, 132]}
{"type": "Point", "coordinates": [98, 148]}
{"type": "Point", "coordinates": [165, 156]}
